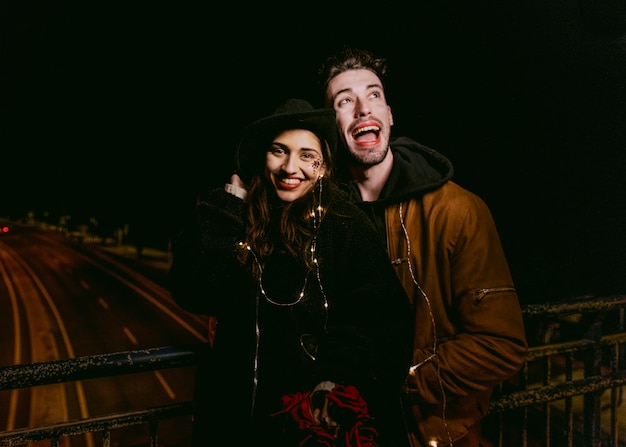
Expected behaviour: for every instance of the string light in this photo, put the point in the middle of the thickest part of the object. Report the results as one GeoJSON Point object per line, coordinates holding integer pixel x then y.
{"type": "Point", "coordinates": [316, 214]}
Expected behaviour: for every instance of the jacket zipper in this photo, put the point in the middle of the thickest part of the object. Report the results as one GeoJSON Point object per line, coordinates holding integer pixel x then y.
{"type": "Point", "coordinates": [484, 292]}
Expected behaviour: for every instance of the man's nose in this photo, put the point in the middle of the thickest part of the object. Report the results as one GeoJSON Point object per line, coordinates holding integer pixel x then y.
{"type": "Point", "coordinates": [362, 108]}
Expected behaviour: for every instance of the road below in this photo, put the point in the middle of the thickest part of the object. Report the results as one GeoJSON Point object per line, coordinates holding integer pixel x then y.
{"type": "Point", "coordinates": [60, 299]}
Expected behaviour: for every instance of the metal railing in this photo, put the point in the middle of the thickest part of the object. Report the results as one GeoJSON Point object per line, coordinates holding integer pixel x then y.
{"type": "Point", "coordinates": [91, 367]}
{"type": "Point", "coordinates": [569, 392]}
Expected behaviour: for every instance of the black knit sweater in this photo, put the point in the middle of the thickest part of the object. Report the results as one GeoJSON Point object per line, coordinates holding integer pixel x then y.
{"type": "Point", "coordinates": [352, 326]}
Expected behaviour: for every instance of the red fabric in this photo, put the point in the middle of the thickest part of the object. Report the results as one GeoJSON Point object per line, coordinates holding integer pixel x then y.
{"type": "Point", "coordinates": [344, 401]}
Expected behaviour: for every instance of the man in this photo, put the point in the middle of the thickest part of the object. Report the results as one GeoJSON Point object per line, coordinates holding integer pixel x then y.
{"type": "Point", "coordinates": [444, 245]}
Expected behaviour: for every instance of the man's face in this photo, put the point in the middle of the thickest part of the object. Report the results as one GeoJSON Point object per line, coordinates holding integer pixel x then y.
{"type": "Point", "coordinates": [363, 116]}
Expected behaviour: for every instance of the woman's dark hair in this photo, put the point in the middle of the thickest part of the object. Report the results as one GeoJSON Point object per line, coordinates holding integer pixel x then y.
{"type": "Point", "coordinates": [295, 228]}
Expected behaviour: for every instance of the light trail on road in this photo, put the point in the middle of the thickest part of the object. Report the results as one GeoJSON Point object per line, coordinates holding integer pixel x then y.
{"type": "Point", "coordinates": [50, 401]}
{"type": "Point", "coordinates": [58, 296]}
{"type": "Point", "coordinates": [150, 298]}
{"type": "Point", "coordinates": [17, 340]}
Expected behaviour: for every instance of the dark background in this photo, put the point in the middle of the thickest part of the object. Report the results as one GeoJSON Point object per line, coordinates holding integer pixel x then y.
{"type": "Point", "coordinates": [125, 112]}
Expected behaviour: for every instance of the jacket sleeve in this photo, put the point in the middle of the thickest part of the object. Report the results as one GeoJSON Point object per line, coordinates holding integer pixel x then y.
{"type": "Point", "coordinates": [483, 313]}
{"type": "Point", "coordinates": [204, 263]}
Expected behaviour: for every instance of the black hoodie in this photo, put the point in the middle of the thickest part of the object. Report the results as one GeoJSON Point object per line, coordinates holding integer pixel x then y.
{"type": "Point", "coordinates": [417, 169]}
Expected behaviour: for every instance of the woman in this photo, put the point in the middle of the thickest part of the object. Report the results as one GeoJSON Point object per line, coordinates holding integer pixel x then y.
{"type": "Point", "coordinates": [313, 333]}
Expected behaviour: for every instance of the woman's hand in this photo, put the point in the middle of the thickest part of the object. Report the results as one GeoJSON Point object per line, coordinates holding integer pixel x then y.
{"type": "Point", "coordinates": [236, 181]}
{"type": "Point", "coordinates": [321, 417]}
{"type": "Point", "coordinates": [236, 186]}
{"type": "Point", "coordinates": [320, 405]}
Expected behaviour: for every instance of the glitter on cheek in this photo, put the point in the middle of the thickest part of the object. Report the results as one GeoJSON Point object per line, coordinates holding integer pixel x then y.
{"type": "Point", "coordinates": [315, 165]}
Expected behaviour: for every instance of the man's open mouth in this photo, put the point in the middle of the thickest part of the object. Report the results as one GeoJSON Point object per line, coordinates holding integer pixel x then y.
{"type": "Point", "coordinates": [367, 133]}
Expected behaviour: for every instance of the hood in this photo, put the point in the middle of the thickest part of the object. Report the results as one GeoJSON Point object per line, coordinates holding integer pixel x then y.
{"type": "Point", "coordinates": [417, 169]}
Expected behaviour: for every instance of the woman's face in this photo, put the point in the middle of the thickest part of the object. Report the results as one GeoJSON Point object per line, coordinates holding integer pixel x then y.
{"type": "Point", "coordinates": [293, 163]}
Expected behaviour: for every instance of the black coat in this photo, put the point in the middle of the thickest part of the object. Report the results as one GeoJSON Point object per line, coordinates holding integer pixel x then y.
{"type": "Point", "coordinates": [353, 330]}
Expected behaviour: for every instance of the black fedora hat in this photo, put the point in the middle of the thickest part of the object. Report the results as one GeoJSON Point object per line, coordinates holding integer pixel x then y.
{"type": "Point", "coordinates": [292, 114]}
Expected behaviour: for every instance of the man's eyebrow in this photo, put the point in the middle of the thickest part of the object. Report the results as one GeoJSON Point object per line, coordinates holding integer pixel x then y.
{"type": "Point", "coordinates": [349, 89]}
{"type": "Point", "coordinates": [343, 90]}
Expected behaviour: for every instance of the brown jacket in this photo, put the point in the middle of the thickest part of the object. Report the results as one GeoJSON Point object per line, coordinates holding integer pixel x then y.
{"type": "Point", "coordinates": [469, 334]}
{"type": "Point", "coordinates": [462, 285]}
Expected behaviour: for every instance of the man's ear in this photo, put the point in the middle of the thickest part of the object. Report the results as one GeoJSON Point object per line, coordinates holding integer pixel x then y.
{"type": "Point", "coordinates": [390, 116]}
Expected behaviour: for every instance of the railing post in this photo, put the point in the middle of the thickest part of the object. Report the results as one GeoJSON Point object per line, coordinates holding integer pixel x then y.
{"type": "Point", "coordinates": [106, 438]}
{"type": "Point", "coordinates": [592, 401]}
{"type": "Point", "coordinates": [154, 426]}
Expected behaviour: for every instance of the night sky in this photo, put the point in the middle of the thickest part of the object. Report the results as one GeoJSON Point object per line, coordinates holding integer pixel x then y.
{"type": "Point", "coordinates": [127, 111]}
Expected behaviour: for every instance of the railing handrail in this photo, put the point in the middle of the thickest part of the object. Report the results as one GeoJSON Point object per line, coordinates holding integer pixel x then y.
{"type": "Point", "coordinates": [95, 424]}
{"type": "Point", "coordinates": [587, 303]}
{"type": "Point", "coordinates": [96, 366]}
{"type": "Point", "coordinates": [127, 362]}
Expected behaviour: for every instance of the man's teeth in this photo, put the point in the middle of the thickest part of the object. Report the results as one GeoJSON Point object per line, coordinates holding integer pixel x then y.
{"type": "Point", "coordinates": [366, 129]}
